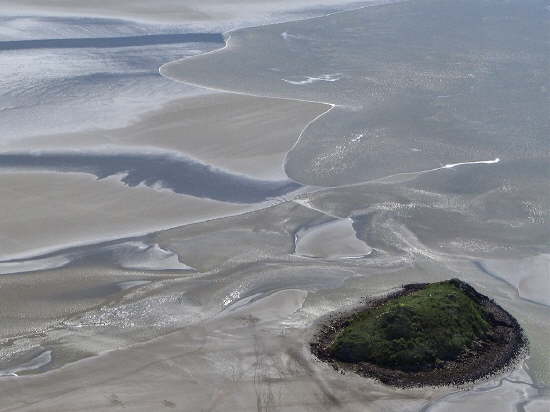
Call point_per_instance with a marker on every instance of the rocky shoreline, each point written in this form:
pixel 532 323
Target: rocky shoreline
pixel 505 344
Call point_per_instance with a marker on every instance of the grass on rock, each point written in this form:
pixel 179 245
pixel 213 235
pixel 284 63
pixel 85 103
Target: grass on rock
pixel 416 331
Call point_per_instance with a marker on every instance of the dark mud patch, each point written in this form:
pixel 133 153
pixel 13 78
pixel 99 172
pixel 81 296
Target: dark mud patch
pixel 178 173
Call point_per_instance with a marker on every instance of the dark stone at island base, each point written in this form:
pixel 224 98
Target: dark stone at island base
pixel 501 346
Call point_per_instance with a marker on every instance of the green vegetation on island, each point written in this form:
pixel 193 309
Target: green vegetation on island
pixel 415 331
pixel 443 333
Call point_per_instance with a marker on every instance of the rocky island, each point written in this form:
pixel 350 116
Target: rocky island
pixel 443 333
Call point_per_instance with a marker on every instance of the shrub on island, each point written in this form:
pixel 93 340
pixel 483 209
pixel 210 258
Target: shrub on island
pixel 415 331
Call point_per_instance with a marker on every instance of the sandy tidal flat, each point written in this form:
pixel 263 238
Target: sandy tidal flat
pixel 75 208
pixel 199 13
pixel 173 263
pixel 242 134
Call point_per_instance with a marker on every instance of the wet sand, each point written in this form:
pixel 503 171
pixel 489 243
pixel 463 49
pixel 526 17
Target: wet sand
pixel 333 240
pixel 206 12
pixel 242 134
pixel 70 209
pixel 76 208
pixel 410 93
pixel 168 373
pixel 215 313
